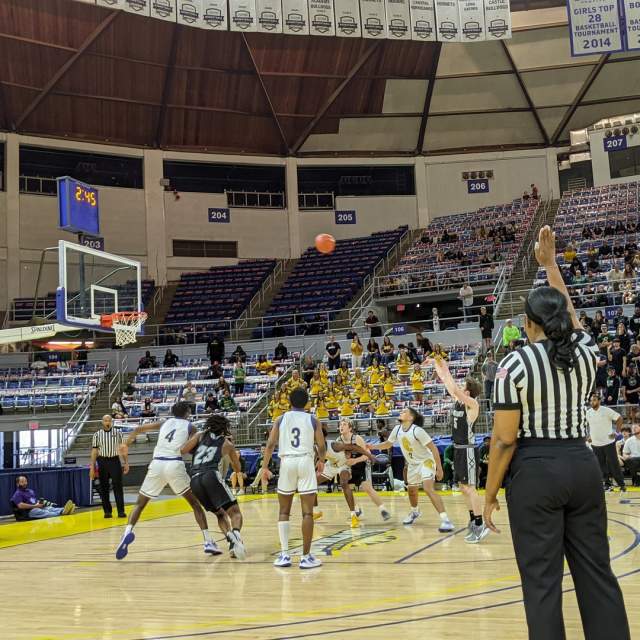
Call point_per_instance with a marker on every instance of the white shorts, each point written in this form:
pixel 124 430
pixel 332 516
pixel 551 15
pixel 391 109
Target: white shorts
pixel 297 473
pixel 330 471
pixel 162 473
pixel 418 472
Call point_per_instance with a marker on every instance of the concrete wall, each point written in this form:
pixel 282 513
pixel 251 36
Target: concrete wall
pixel 600 159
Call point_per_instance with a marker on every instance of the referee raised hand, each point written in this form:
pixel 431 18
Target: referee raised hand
pixel 106 449
pixel 555 497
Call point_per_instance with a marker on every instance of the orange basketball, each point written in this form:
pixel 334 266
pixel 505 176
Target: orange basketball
pixel 325 243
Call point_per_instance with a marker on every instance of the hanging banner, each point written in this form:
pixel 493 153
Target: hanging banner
pixel 242 15
pixel 448 21
pixel 215 15
pixel 269 16
pixel 347 16
pixel 374 19
pixel 111 4
pixel 190 12
pixel 164 10
pixel 423 20
pixel 295 17
pixel 632 21
pixel 497 19
pixel 594 27
pixel 141 7
pixel 398 19
pixel 321 22
pixel 471 20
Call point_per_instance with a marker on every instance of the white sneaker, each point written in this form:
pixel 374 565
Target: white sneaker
pixel 212 548
pixel 446 526
pixel 283 560
pixel 358 512
pixel 309 562
pixel 412 517
pixel 238 547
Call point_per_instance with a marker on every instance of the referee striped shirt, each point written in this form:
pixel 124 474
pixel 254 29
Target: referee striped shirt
pixel 108 442
pixel 552 402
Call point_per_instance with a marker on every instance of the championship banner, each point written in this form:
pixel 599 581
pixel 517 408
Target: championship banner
pixel 423 20
pixel 111 4
pixel 347 16
pixel 269 16
pixel 242 15
pixel 594 27
pixel 164 10
pixel 295 17
pixel 632 21
pixel 215 15
pixel 398 19
pixel 141 7
pixel 447 21
pixel 472 20
pixel 321 21
pixel 497 19
pixel 374 19
pixel 190 12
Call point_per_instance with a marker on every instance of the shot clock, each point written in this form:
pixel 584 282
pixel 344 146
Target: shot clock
pixel 78 206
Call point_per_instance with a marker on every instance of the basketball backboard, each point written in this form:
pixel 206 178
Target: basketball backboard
pixel 94 283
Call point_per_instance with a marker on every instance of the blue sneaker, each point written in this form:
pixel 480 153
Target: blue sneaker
pixel 212 548
pixel 309 562
pixel 283 560
pixel 123 547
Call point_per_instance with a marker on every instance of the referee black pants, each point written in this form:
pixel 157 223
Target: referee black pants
pixel 556 511
pixel 607 457
pixel 110 468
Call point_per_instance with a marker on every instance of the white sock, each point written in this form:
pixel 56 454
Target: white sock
pixel 283 532
pixel 353 513
pixel 444 517
pixel 128 529
pixel 206 535
pixel 381 508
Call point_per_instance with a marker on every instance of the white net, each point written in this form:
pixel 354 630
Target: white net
pixel 126 327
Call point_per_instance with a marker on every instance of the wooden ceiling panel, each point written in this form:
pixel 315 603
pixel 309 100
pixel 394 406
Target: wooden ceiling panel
pixel 16 101
pixel 299 95
pixel 413 59
pixel 360 96
pixel 36 64
pixel 223 50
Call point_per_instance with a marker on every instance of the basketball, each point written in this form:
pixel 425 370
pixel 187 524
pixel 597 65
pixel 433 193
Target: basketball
pixel 325 243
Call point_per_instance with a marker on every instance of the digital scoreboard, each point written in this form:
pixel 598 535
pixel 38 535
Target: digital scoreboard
pixel 78 207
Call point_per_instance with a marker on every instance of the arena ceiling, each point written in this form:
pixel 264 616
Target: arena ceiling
pixel 79 71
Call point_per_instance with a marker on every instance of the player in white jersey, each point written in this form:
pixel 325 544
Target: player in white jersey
pixel 296 432
pixel 348 458
pixel 423 464
pixel 167 468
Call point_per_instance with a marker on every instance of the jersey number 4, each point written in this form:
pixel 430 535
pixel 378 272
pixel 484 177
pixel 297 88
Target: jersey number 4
pixel 169 436
pixel 295 441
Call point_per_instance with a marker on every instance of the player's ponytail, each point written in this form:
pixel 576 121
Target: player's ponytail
pixel 547 307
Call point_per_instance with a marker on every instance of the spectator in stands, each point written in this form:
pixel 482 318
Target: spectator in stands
pixel 333 353
pixel 622 336
pixel 264 366
pixel 227 403
pixel 626 434
pixel 435 319
pixel 238 478
pixel 238 355
pixel 439 352
pixel 147 361
pixel 170 359
pixel 280 353
pixel 118 410
pixel 221 385
pixel 570 253
pixel 617 357
pixel 215 349
pixel 148 411
pixel 466 295
pixel 375 330
pixel 631 456
pixel 356 352
pixel 510 335
pixel 634 321
pixel 525 196
pixel 308 368
pixel 27 507
pixel 483 461
pixel 278 330
pixel 412 353
pixel 631 385
pixel 261 478
pixel 373 351
pixel 189 396
pixel 214 371
pixel 614 277
pixel 211 404
pixel 612 389
pixel 534 192
pixel 486 329
pixel 239 376
pixel 387 351
pixel 424 343
pixel 489 369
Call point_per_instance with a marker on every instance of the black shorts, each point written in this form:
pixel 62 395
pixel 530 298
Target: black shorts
pixel 211 491
pixel 465 466
pixel 360 473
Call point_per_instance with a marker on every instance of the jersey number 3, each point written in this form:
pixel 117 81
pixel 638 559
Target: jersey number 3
pixel 295 441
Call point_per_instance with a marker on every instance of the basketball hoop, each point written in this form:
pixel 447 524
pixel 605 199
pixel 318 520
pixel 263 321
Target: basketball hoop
pixel 125 324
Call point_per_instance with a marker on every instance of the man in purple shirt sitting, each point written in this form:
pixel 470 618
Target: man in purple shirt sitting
pixel 26 506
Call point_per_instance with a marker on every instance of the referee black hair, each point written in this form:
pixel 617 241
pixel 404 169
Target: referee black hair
pixel 217 425
pixel 547 307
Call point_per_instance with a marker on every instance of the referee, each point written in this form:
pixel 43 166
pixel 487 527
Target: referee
pixel 106 450
pixel 555 496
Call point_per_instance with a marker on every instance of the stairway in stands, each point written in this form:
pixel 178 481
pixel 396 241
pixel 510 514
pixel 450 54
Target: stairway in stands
pixel 157 311
pixel 526 267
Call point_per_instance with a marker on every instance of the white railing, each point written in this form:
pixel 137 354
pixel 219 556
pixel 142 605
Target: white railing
pixel 528 254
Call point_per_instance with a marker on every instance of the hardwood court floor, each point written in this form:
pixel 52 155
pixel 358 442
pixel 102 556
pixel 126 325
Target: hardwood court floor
pixel 60 579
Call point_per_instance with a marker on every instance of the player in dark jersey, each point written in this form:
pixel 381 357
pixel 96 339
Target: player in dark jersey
pixel 465 413
pixel 209 447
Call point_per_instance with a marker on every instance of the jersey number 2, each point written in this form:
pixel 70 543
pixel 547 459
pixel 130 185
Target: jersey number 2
pixel 295 442
pixel 204 455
